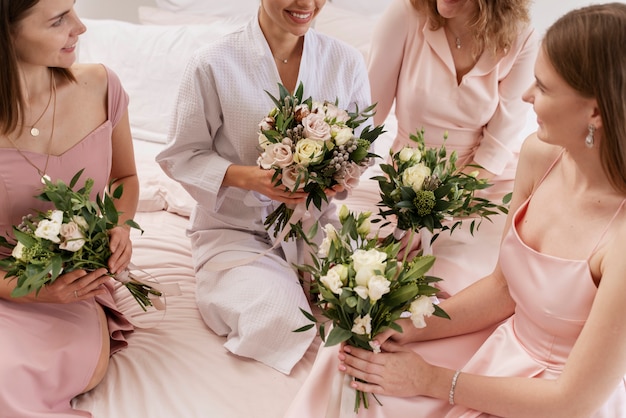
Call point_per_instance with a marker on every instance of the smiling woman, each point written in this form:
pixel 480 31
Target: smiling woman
pixel 56 342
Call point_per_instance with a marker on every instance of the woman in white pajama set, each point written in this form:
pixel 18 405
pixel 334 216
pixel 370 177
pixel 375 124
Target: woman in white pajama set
pixel 212 152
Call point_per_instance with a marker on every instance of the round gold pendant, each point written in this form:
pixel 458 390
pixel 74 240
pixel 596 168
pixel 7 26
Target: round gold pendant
pixel 34 131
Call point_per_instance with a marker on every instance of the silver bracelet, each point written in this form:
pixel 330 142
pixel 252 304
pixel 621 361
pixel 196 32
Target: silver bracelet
pixel 453 386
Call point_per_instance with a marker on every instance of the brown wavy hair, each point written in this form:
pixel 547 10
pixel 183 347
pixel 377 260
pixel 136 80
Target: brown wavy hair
pixel 586 48
pixel 11 96
pixel 495 26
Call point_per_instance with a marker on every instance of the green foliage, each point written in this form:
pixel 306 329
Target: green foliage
pixel 446 193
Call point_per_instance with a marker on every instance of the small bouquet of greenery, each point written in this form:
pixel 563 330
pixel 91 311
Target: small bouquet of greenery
pixel 363 288
pixel 311 146
pixel 423 187
pixel 72 236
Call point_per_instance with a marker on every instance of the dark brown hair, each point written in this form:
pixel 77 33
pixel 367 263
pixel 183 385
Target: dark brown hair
pixel 495 26
pixel 11 95
pixel 587 49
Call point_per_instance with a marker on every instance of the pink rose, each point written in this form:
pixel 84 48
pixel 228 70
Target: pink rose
pixel 349 176
pixel 315 127
pixel 290 177
pixel 276 156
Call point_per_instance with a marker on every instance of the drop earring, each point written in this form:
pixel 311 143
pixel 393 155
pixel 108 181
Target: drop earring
pixel 589 138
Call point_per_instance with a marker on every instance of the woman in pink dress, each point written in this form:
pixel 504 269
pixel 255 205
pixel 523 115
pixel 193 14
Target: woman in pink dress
pixel 57 118
pixel 455 67
pixel 559 282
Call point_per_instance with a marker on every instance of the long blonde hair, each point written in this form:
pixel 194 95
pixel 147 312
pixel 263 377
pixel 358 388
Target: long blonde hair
pixel 495 26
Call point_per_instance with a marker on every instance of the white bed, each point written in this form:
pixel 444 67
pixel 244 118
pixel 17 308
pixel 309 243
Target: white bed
pixel 176 367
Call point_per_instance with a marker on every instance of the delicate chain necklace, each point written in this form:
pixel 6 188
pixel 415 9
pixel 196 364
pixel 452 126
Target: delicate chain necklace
pixel 457 38
pixel 34 131
pixel 283 60
pixel 43 173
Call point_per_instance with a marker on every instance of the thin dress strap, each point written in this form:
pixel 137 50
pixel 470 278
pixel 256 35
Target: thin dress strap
pixel 606 228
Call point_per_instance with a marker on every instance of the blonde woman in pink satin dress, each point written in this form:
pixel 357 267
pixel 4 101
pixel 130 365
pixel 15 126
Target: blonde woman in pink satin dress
pixel 559 282
pixel 458 67
pixel 56 118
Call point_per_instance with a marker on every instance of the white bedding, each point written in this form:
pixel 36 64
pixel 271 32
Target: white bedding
pixel 176 367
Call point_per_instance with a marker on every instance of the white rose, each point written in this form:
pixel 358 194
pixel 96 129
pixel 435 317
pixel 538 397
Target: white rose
pixel 73 238
pixel 414 176
pixel 377 286
pixel 362 325
pixel 420 308
pixel 289 177
pixel 308 151
pixel 48 229
pixel 335 278
pixel 367 263
pixel 276 155
pixel 341 134
pixel 315 127
pixel 18 251
pixel 408 154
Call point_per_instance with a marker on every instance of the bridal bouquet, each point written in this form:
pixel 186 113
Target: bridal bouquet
pixel 72 236
pixel 423 187
pixel 363 287
pixel 312 146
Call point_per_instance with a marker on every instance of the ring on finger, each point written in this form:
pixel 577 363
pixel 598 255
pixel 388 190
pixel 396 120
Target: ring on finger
pixel 76 294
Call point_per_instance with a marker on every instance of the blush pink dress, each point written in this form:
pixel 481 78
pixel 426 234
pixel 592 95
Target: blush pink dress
pixel 411 70
pixel 48 352
pixel 534 342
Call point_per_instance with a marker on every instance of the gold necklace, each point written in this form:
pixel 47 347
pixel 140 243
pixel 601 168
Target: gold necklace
pixel 33 129
pixel 43 173
pixel 457 38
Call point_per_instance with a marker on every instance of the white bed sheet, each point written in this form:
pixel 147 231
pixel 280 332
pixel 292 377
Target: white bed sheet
pixel 177 367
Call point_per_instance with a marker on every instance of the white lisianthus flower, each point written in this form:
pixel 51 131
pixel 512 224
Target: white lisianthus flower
pixel 361 291
pixel 377 286
pixel 421 308
pixel 365 227
pixel 56 216
pixel 48 229
pixel 362 325
pixel 276 155
pixel 80 221
pixel 343 213
pixel 410 154
pixel 329 236
pixel 341 134
pixel 335 278
pixel 308 151
pixel 414 176
pixel 18 251
pixel 315 127
pixel 73 238
pixel 367 263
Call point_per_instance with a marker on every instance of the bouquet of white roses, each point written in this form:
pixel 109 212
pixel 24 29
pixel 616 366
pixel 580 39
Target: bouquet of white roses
pixel 311 146
pixel 363 287
pixel 72 236
pixel 423 187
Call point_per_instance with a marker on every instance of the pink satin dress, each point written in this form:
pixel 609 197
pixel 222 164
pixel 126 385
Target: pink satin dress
pixel 534 342
pixel 49 352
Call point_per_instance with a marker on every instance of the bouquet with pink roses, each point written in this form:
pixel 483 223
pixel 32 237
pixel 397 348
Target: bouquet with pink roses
pixel 312 146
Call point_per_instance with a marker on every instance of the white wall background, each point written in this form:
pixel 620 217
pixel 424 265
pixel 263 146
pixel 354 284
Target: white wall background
pixel 544 12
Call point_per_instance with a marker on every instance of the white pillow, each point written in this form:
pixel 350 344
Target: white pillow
pixel 153 16
pixel 215 7
pixel 352 27
pixel 149 59
pixel 367 7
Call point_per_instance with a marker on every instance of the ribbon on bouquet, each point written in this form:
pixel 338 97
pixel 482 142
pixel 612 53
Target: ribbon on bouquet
pixel 159 302
pixel 300 212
